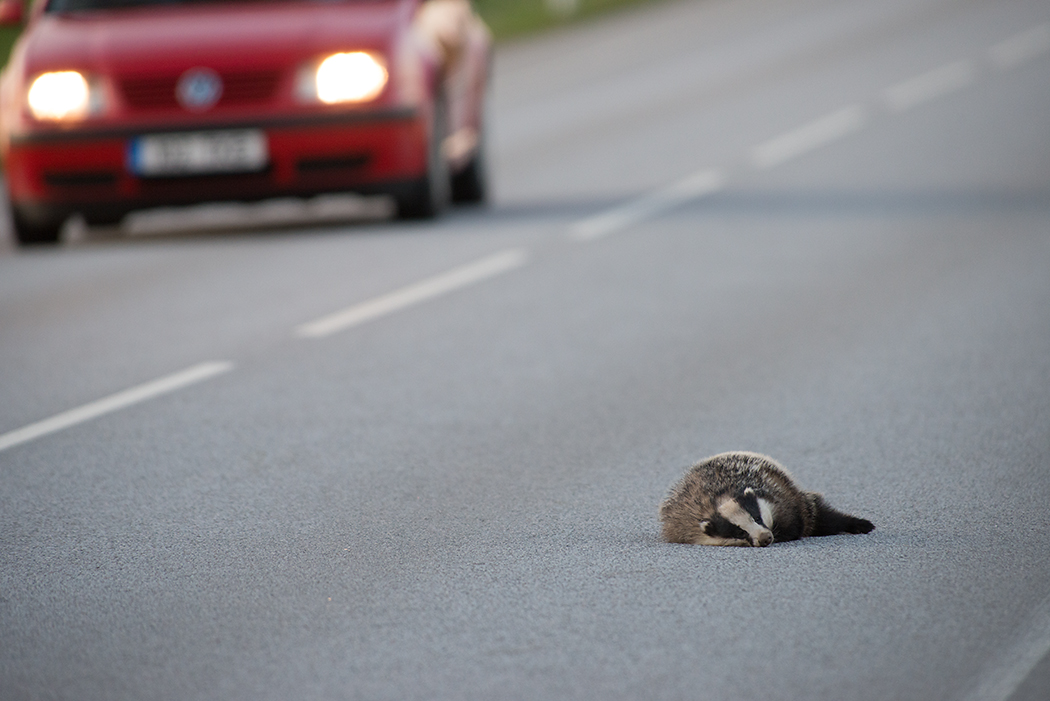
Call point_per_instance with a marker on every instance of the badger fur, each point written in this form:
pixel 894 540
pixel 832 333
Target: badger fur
pixel 747 499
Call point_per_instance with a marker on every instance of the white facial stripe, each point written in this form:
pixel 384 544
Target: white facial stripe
pixel 738 516
pixel 766 509
pixel 735 514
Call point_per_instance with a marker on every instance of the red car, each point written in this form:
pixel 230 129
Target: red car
pixel 107 106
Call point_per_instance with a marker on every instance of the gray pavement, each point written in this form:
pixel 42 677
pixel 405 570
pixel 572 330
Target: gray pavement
pixel 457 499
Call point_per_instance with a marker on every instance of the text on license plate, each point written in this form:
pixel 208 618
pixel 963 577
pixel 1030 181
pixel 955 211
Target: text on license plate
pixel 201 152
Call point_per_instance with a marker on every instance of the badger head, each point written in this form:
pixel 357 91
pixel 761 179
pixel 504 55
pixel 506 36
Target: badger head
pixel 745 519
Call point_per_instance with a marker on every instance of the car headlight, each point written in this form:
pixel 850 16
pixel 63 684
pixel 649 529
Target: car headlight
pixel 355 76
pixel 59 96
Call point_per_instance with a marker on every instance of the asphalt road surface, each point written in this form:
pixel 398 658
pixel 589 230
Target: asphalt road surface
pixel 422 461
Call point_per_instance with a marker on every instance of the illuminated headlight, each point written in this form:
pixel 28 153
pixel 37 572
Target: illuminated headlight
pixel 356 76
pixel 60 96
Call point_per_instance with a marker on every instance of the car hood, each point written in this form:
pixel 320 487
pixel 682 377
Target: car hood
pixel 238 34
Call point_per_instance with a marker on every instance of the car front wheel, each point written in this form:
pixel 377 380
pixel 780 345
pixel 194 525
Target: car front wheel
pixel 430 195
pixel 35 231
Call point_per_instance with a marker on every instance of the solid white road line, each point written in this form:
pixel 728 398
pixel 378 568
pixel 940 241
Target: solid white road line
pixel 809 137
pixel 928 86
pixel 414 294
pixel 141 393
pixel 1017 661
pixel 695 186
pixel 1022 47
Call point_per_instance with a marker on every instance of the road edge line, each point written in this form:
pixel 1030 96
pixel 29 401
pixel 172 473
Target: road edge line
pixel 1012 667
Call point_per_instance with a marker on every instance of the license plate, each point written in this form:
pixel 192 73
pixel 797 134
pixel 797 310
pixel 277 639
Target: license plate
pixel 198 153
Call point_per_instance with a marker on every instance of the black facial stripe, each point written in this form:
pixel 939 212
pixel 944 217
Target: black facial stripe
pixel 749 502
pixel 721 528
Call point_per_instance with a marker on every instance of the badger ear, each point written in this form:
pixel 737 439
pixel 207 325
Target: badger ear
pixel 749 492
pixel 704 526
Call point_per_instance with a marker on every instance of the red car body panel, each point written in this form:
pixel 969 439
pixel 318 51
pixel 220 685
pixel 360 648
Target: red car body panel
pixel 133 58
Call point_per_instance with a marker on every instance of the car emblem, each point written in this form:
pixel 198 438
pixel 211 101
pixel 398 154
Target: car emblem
pixel 198 89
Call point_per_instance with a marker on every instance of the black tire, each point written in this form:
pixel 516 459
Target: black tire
pixel 35 232
pixel 430 195
pixel 470 185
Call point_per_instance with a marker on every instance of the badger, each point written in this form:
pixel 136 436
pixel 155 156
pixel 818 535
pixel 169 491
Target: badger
pixel 747 499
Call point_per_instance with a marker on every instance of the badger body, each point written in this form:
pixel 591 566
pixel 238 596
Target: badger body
pixel 747 499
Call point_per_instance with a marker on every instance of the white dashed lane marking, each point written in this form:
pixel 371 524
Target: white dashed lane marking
pixel 1021 48
pixel 114 402
pixel 928 86
pixel 700 184
pixel 325 326
pixel 1009 53
pixel 809 137
pixel 422 291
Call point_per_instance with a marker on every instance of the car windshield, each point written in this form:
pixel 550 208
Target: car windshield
pixel 81 5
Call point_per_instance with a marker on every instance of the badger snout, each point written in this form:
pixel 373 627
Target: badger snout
pixel 762 539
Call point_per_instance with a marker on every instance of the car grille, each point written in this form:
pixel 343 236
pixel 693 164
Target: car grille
pixel 81 179
pixel 238 88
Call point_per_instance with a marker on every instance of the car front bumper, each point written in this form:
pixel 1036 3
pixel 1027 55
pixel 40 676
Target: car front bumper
pixel 51 175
